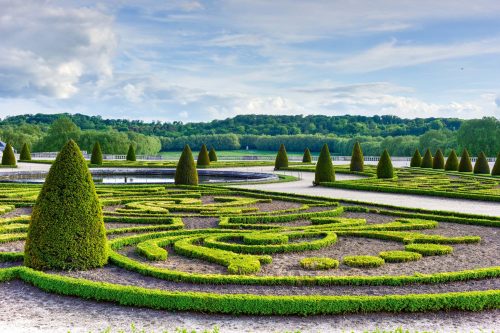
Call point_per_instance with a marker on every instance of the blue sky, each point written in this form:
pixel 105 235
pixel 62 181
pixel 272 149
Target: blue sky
pixel 202 60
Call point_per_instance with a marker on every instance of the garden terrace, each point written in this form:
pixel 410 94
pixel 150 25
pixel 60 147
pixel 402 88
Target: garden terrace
pixel 268 253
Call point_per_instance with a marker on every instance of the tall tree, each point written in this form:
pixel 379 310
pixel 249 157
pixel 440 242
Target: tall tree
pixel 324 167
pixel 281 158
pixel 384 166
pixel 357 158
pixel 480 135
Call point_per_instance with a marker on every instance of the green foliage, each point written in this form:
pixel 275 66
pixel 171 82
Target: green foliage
pixel 481 166
pixel 307 158
pixel 416 160
pixel 438 161
pixel 212 155
pixel 480 135
pixel 496 168
pixel 96 157
pixel 400 256
pixel 384 166
pixel 8 157
pixel 186 173
pixel 203 158
pixel 281 158
pixel 59 132
pixel 451 161
pixel 363 261
pixel 324 167
pixel 265 239
pixel 25 153
pixel 131 153
pixel 429 249
pixel 427 161
pixel 465 162
pixel 357 158
pixel 318 263
pixel 67 229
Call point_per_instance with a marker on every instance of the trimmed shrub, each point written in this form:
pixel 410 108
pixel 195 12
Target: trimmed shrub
pixel 465 164
pixel 131 153
pixel 307 156
pixel 452 162
pixel 186 173
pixel 25 153
pixel 281 158
pixel 96 157
pixel 481 166
pixel 67 229
pixel 265 239
pixel 400 256
pixel 416 160
pixel 363 261
pixel 8 157
pixel 427 161
pixel 438 161
pixel 496 168
pixel 384 166
pixel 318 263
pixel 203 158
pixel 357 158
pixel 429 249
pixel 324 168
pixel 212 155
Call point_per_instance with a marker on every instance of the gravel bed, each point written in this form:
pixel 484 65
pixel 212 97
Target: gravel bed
pixel 16 246
pixel 18 212
pixel 200 222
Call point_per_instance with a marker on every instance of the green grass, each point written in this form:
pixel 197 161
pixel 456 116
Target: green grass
pixel 174 155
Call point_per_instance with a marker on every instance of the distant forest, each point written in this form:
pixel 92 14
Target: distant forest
pixel 264 132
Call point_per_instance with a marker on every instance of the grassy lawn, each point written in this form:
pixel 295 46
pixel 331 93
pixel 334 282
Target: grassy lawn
pixel 174 155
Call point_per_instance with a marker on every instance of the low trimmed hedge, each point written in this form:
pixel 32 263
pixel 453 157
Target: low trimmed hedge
pixel 265 239
pixel 429 249
pixel 400 256
pixel 363 261
pixel 317 263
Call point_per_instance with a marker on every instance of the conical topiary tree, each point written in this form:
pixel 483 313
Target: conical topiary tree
pixel 427 161
pixel 357 158
pixel 281 158
pixel 451 161
pixel 186 173
pixel 8 157
pixel 438 161
pixel 203 158
pixel 324 168
pixel 465 164
pixel 66 230
pixel 384 166
pixel 131 153
pixel 416 160
pixel 96 157
pixel 25 153
pixel 212 155
pixel 496 168
pixel 482 167
pixel 307 158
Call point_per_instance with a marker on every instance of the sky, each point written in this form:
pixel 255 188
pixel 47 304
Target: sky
pixel 190 61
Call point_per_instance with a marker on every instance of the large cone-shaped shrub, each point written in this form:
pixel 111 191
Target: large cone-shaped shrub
pixel 465 162
pixel 307 158
pixel 96 157
pixel 496 168
pixel 25 153
pixel 212 155
pixel 8 157
pixel 427 161
pixel 357 158
pixel 384 166
pixel 451 161
pixel 324 167
pixel 203 158
pixel 482 166
pixel 416 160
pixel 131 153
pixel 186 173
pixel 438 161
pixel 281 158
pixel 66 231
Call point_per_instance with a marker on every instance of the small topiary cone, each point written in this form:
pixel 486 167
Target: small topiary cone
pixel 496 168
pixel 306 158
pixel 427 161
pixel 8 157
pixel 438 161
pixel 482 167
pixel 465 164
pixel 203 158
pixel 212 155
pixel 96 157
pixel 416 160
pixel 281 158
pixel 324 168
pixel 25 153
pixel 186 173
pixel 357 158
pixel 131 153
pixel 384 166
pixel 452 162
